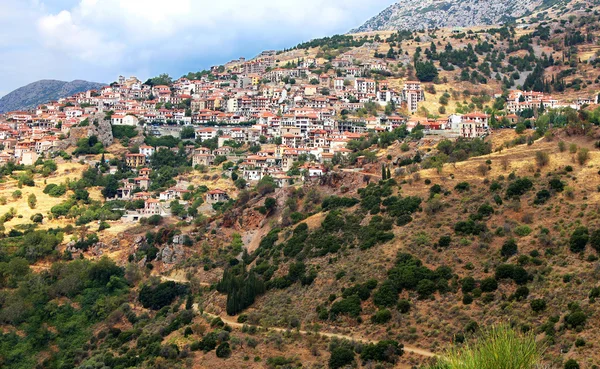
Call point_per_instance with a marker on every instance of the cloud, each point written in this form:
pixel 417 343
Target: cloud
pixel 100 39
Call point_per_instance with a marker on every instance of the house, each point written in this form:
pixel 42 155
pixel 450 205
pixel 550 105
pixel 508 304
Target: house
pixel 151 207
pixel 124 120
pixel 147 151
pixel 135 160
pixel 215 196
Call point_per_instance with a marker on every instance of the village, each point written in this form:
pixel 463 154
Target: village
pixel 291 114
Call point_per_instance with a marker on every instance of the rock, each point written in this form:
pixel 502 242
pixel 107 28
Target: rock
pixel 429 14
pixel 139 239
pixel 171 254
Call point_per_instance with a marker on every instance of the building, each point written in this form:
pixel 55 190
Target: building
pixel 135 160
pixel 124 120
pixel 216 195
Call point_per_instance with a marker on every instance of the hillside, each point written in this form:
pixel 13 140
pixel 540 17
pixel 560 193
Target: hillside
pixel 429 14
pixel 43 91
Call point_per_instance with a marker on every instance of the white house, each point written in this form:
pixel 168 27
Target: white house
pixel 124 120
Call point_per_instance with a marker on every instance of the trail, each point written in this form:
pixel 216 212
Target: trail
pixel 235 324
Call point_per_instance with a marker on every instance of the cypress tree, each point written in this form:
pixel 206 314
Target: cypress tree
pixel 389 175
pixel 383 172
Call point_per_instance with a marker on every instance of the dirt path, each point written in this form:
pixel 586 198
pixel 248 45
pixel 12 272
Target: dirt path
pixel 181 279
pixel 234 324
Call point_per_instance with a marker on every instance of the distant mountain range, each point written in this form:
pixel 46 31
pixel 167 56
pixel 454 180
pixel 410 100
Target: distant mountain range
pixel 43 91
pixel 428 14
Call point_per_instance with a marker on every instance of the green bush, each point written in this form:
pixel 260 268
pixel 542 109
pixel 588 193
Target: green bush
pixel 381 316
pixel 496 347
pixel 341 357
pixel 518 187
pixel 538 305
pixel 509 248
pixel 579 239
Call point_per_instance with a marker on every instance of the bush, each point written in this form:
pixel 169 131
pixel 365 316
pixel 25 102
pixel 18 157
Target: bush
pixel 542 158
pixel 467 284
pixel 556 185
pixel 382 316
pixel 223 351
pixel 571 364
pixel 497 347
pixel 576 319
pixel 444 241
pixel 403 306
pixel 509 248
pixel 161 295
pixel 518 187
pixel 341 357
pixel 595 240
pixel 488 285
pixel 538 305
pixel 386 295
pixel 522 230
pixel 462 187
pixel 578 239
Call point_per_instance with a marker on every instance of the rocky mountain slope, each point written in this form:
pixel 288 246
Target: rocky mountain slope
pixel 43 91
pixel 410 15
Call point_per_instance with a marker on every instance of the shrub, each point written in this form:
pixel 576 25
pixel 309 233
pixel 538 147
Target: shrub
pixel 445 241
pixel 595 240
pixel 161 295
pixel 556 185
pixel 386 350
pixel 386 295
pixel 518 187
pixel 462 187
pixel 403 306
pixel 576 319
pixel 497 347
pixel 582 156
pixel 469 227
pixel 541 197
pixel 488 285
pixel 538 305
pixel 542 158
pixel 571 364
pixel 223 351
pixel 522 230
pixel 381 316
pixel 509 248
pixel 578 239
pixel 467 284
pixel 341 356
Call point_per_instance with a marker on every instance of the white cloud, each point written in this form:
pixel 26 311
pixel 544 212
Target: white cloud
pixel 105 38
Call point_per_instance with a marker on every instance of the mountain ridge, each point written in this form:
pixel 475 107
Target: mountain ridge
pixel 43 91
pixel 405 15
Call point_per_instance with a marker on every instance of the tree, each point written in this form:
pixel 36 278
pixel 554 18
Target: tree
pixel 426 72
pixel 579 239
pixel 341 357
pixel 32 201
pixel 223 351
pixel 509 248
pixel 538 305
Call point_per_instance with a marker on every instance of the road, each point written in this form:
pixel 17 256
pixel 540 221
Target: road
pixel 234 324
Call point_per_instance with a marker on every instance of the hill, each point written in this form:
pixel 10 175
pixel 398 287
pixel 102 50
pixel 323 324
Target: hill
pixel 43 91
pixel 428 14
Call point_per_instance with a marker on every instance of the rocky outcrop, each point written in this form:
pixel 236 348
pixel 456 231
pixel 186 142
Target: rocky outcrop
pixel 428 14
pixel 43 91
pixel 97 127
pixel 171 254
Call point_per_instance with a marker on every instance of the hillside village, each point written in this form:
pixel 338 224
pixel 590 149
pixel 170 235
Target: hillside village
pixel 357 201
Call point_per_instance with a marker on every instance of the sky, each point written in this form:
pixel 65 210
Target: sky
pixel 98 40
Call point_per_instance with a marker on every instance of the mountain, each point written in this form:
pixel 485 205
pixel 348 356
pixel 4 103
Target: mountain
pixel 426 14
pixel 43 91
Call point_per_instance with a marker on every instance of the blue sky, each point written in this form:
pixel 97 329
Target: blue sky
pixel 97 40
